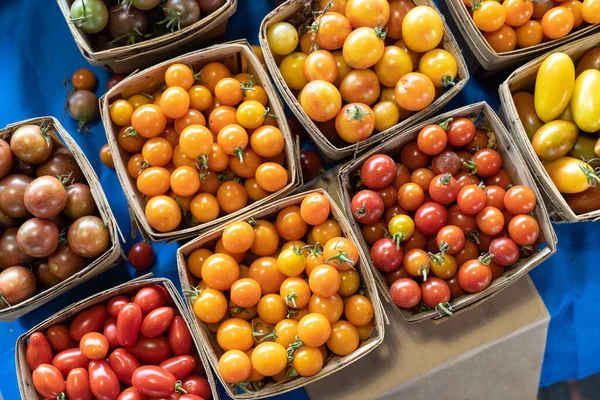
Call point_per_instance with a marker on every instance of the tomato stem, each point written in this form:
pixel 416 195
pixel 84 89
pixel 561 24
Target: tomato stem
pixel 424 271
pixel 61 396
pixel 268 113
pixel 356 114
pixel 486 258
pixel 446 124
pixel 292 349
pixel 444 247
pixel 590 175
pixel 171 20
pixel 191 294
pixel 65 178
pixel 131 132
pixel 239 153
pixel 291 373
pixel 380 31
pixel 292 312
pixel 179 388
pixel 82 127
pixel 471 166
pixel 476 4
pixel 444 308
pixel 202 162
pixel 474 237
pixel 437 258
pixel 343 257
pixel 253 223
pixel 316 250
pixel 446 178
pixel 447 80
pixel 291 299
pixel 398 238
pixel 360 211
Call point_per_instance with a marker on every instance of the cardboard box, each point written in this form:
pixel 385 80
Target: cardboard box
pixel 493 352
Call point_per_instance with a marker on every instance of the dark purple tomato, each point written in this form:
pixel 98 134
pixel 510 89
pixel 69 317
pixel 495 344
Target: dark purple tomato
pixel 113 80
pixel 61 221
pixel 12 192
pixel 143 5
pixel 88 237
pixel 378 171
pixel 125 21
pixel 80 201
pixel 44 277
pixel 386 255
pixel 210 6
pixel 505 251
pixel 367 207
pixel 61 165
pixel 16 285
pixel 64 263
pixel 6 158
pixel 82 106
pixel 21 167
pixel 10 253
pixel 296 128
pixel 405 293
pixel 38 237
pixel 31 144
pixel 311 164
pixel 430 218
pixel 7 221
pixel 45 197
pixel 141 256
pixel 182 12
pixel 446 161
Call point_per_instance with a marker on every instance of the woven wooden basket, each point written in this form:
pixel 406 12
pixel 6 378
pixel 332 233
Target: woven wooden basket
pixel 332 364
pixel 338 151
pixel 108 259
pixel 491 60
pixel 129 288
pixel 149 52
pixel 238 57
pixel 512 162
pixel 524 79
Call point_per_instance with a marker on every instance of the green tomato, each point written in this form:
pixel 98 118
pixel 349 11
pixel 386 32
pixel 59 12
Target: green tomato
pixel 91 16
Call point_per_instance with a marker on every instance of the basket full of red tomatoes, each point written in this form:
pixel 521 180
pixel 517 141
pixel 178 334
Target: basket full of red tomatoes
pixel 509 32
pixel 199 139
pixel 126 35
pixel 356 71
pixel 56 226
pixel 448 213
pixel 129 342
pixel 281 296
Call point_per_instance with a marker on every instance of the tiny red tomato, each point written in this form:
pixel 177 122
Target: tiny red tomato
pixel 524 230
pixel 475 275
pixel 378 171
pixel 430 218
pixel 141 256
pixel 58 337
pixel 486 163
pixel 386 255
pixel 103 380
pixel 505 251
pixel 78 385
pixel 367 207
pixel 460 132
pixel 151 297
pixel 115 304
pixel 198 385
pixel 157 322
pixel 432 139
pixel 48 381
pixel 450 239
pixel 94 346
pixel 520 199
pixel 38 351
pixel 471 199
pixel 435 291
pixel 443 189
pixel 129 322
pixel 495 197
pixel 180 338
pixel 465 222
pixel 70 359
pixel 90 320
pixel 405 293
pixel 490 220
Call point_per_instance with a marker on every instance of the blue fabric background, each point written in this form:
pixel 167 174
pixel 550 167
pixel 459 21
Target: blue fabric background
pixel 37 52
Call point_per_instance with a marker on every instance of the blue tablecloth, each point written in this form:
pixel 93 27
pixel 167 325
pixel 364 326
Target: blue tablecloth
pixel 37 52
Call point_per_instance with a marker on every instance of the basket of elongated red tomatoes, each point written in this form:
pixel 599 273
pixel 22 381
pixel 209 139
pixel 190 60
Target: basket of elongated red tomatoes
pixel 448 213
pixel 129 342
pixel 199 139
pixel 509 32
pixel 354 71
pixel 56 227
pixel 282 296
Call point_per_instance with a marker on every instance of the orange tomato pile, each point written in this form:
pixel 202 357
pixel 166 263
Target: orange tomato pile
pixel 446 219
pixel 201 150
pixel 294 304
pixel 357 62
pixel 515 24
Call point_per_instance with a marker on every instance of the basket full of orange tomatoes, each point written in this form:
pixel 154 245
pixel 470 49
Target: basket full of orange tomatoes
pixel 199 139
pixel 448 214
pixel 356 71
pixel 504 33
pixel 282 296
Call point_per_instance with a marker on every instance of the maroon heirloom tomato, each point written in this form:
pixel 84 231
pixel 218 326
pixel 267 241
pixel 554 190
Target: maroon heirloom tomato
pixel 505 251
pixel 58 337
pixel 430 218
pixel 141 256
pixel 180 338
pixel 405 293
pixel 475 275
pixel 153 381
pixel 123 363
pixel 103 381
pixel 378 171
pixel 38 351
pixel 386 255
pixel 129 323
pixel 198 385
pixel 367 207
pixel 151 350
pixel 157 321
pixel 446 162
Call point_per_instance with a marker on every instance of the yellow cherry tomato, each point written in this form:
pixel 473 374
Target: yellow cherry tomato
pixel 554 86
pixel 571 175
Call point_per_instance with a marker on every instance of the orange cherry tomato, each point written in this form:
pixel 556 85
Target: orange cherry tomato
pixel 157 152
pixel 134 165
pixel 174 102
pixel 120 112
pixel 185 181
pixel 360 86
pixel 229 91
pixel 234 366
pixel 590 11
pixel 219 248
pixel 359 310
pixel 218 160
pixel 355 122
pixel 295 292
pixel 558 22
pixel 264 270
pixel 415 91
pixel 315 209
pixel 196 260
pixel 267 141
pixel 266 238
pixel 326 231
pixel 313 329
pixel 324 280
pixel 398 10
pixel 251 114
pixel 219 271
pixel 344 338
pixel 191 117
pixel 195 141
pixel 332 29
pixel 212 73
pixel 163 213
pixel 517 11
pixel 489 15
pixel 393 65
pixel 575 7
pixel 320 100
pixel 129 140
pixel 171 135
pixel 369 13
pixel 255 192
pixel 245 292
pixel 179 75
pixel 232 197
pixel 209 183
pixel 232 139
pixel 149 120
pixel 529 34
pixel 320 65
pixel 290 225
pixel 245 163
pixel 503 39
pixel 153 181
pixel 205 207
pixel 238 237
pixel 340 253
pixel 220 117
pixel 180 159
pixel 364 47
pixel 271 177
pixel 201 98
pixel 256 93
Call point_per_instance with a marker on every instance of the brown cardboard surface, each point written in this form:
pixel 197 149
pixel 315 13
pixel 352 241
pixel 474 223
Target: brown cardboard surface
pixel 500 345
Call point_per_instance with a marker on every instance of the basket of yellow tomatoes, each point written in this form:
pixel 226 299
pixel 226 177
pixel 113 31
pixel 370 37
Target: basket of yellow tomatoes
pixel 552 105
pixel 198 139
pixel 282 296
pixel 354 72
pixel 447 214
pixel 509 32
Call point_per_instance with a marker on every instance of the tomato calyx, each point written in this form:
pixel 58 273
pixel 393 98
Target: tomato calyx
pixel 181 208
pixel 132 37
pixel 236 310
pixel 248 86
pixel 446 179
pixel 131 132
pixel 253 223
pixel 239 153
pixel 268 114
pixel 591 175
pixel 342 257
pixel 62 396
pixel 380 31
pixel 249 387
pixel 292 312
pixel 202 162
pixel 62 237
pixel 79 21
pixel 447 80
pixel 261 336
pixel 65 178
pixel 191 294
pixel 222 177
pixel 398 238
pixel 474 237
pixel 291 299
pixel 424 271
pixel 356 114
pixel 291 350
pixel 476 4
pixel 471 166
pixel 171 20
pixel 3 301
pixel 444 309
pixel 44 128
pixel 179 388
pixel 486 258
pixel 446 124
pixel 437 258
pixel 315 250
pixel 361 211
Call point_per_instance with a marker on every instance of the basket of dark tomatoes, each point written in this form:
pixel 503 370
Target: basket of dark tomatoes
pixel 448 212
pixel 510 32
pixel 354 72
pixel 552 106
pixel 56 226
pixel 129 342
pixel 126 35
pixel 282 296
pixel 199 139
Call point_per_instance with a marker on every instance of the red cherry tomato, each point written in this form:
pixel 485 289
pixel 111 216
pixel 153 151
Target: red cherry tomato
pixel 198 385
pixel 153 381
pixel 432 140
pixel 70 359
pixel 413 158
pixel 150 297
pixel 455 289
pixel 157 321
pixel 141 256
pixel 446 161
pixel 38 351
pixel 48 381
pixel 367 207
pixel 115 304
pixel 151 350
pixel 502 179
pixel 110 332
pixel 469 252
pixel 129 323
pixel 495 196
pixel 460 132
pixel 123 363
pixel 430 218
pixel 520 199
pixel 486 163
pixel 405 293
pixel 505 251
pixel 386 255
pixel 524 230
pixel 180 338
pixel 94 346
pixel 471 199
pixel 378 171
pixel 435 291
pixel 450 239
pixel 490 221
pixel 443 189
pixel 103 380
pixel 475 275
pixel 90 320
pixel 189 397
pixel 58 337
pixel 78 385
pixel 180 366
